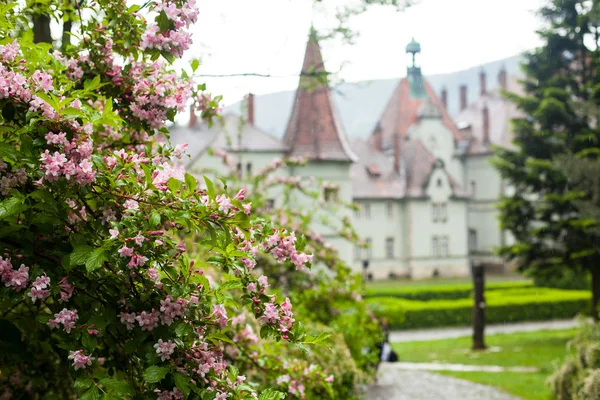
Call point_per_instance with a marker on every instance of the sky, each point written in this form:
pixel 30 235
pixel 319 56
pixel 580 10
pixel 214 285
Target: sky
pixel 269 37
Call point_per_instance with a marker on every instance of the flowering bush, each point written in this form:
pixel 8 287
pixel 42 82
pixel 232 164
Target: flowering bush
pixel 99 294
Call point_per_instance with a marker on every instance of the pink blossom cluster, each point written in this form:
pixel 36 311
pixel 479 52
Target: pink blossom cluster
pixel 282 248
pixel 165 349
pixel 10 180
pixel 162 176
pixel 154 92
pixel 170 309
pixel 39 288
pixel 74 71
pixel 9 52
pixel 15 278
pixel 284 318
pixel 207 359
pixel 205 103
pixel 220 315
pixel 65 317
pixel 174 41
pixel 73 161
pixel 175 394
pixel 80 360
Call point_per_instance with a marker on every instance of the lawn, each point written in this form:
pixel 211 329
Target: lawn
pixel 528 349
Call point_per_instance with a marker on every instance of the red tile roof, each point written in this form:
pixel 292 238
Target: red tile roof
pixel 314 129
pixel 402 111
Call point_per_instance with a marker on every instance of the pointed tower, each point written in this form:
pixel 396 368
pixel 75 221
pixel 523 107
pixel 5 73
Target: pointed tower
pixel 314 129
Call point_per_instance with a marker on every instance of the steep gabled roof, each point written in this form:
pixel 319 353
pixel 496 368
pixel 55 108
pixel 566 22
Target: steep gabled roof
pixel 314 129
pixel 231 134
pixel 402 110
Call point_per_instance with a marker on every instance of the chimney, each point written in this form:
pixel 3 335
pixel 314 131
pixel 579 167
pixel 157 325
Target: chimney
pixel 502 80
pixel 482 82
pixel 486 124
pixel 396 144
pixel 445 98
pixel 193 117
pixel 378 137
pixel 251 109
pixel 463 97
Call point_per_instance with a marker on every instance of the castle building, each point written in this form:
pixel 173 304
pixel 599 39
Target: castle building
pixel 424 185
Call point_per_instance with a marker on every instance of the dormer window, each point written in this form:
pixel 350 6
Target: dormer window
pixel 373 170
pixel 330 194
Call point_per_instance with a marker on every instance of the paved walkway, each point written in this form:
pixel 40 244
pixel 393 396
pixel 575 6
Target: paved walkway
pixel 410 366
pixel 449 333
pixel 397 384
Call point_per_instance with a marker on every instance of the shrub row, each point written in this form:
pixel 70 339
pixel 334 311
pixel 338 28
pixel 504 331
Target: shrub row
pixel 445 292
pixel 501 306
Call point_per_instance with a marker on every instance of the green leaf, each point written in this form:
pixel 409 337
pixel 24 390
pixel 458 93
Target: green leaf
pixel 183 329
pixel 89 342
pixel 190 182
pixel 117 386
pixel 95 260
pixel 271 394
pixel 83 382
pixel 219 337
pixel 8 151
pixel 183 383
pixel 232 285
pixel 80 255
pixel 154 219
pixel 11 206
pixel 174 185
pixel 195 65
pixel 210 188
pixel 91 394
pixel 155 374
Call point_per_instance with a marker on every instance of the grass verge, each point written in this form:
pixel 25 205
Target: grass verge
pixel 540 349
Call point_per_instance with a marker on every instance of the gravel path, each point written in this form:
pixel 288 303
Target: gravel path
pixel 449 333
pixel 397 384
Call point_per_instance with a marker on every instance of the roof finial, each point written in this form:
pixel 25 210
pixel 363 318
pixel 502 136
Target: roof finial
pixel 413 47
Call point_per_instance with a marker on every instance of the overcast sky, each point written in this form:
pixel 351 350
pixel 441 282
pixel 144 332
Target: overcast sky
pixel 269 37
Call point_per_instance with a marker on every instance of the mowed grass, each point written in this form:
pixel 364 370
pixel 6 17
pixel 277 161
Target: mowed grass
pixel 542 349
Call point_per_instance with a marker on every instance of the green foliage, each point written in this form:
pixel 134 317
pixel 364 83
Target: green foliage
pixel 510 305
pixel 547 207
pixel 564 279
pixel 442 292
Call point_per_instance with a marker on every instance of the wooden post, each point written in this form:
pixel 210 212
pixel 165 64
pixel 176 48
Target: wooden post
pixel 478 305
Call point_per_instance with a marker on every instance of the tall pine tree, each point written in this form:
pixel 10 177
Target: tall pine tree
pixel 544 210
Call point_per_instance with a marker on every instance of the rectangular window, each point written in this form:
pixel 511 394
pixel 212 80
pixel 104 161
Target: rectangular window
pixel 444 212
pixel 435 212
pixel 390 209
pixel 444 246
pixel 249 169
pixel 330 194
pixel 239 170
pixel 389 247
pixel 435 250
pixel 357 251
pixel 368 249
pixel 367 209
pixel 270 204
pixel 472 240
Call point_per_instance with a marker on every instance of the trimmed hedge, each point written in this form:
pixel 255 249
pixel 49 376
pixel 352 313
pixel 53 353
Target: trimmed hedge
pixel 511 305
pixel 445 292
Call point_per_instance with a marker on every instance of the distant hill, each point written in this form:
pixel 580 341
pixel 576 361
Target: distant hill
pixel 360 104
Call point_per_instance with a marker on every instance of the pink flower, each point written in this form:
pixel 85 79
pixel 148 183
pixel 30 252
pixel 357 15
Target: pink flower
pixel 251 287
pixel 131 205
pixel 65 317
pixel 329 379
pixel 148 320
pixel 221 314
pixel 241 195
pixel 249 263
pixel 137 260
pixel 164 349
pixel 247 208
pixel 17 279
pixel 263 281
pixel 125 251
pixel 114 232
pixel 67 290
pixel 286 306
pixel 271 315
pixel 128 320
pixel 139 239
pixel 224 203
pixel 221 396
pixel 38 288
pixel 153 274
pixel 80 360
pixel 171 309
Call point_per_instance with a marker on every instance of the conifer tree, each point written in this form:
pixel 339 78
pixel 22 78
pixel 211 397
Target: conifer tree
pixel 544 208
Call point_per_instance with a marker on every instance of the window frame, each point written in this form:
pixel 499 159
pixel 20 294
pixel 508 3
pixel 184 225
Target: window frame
pixel 389 247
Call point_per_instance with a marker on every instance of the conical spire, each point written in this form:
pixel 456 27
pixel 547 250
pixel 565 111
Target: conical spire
pixel 314 130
